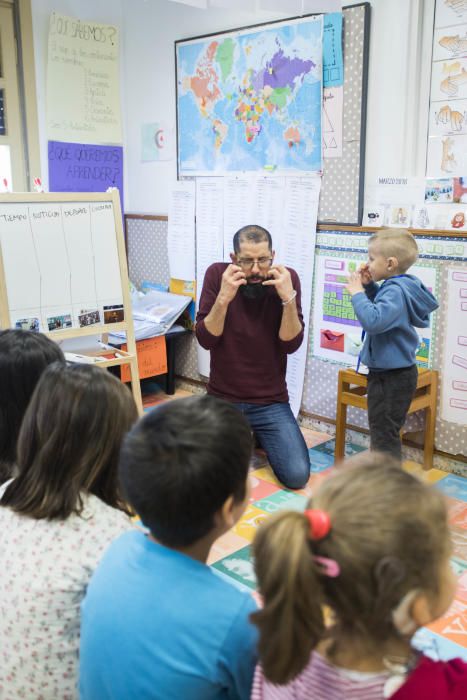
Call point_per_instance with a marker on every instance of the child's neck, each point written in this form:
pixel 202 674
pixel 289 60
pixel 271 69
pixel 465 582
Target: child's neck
pixel 199 550
pixel 357 654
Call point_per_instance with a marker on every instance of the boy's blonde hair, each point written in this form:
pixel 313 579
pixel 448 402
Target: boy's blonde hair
pixel 396 243
pixel 389 535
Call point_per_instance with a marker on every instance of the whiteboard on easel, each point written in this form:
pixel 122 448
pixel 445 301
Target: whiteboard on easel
pixel 61 264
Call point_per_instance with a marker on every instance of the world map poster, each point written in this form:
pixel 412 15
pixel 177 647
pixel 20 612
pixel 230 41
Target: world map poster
pixel 250 100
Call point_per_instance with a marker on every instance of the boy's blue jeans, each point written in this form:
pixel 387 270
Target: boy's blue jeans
pixel 281 438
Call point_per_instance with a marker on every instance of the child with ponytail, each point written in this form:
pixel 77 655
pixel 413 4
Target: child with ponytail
pixel 373 548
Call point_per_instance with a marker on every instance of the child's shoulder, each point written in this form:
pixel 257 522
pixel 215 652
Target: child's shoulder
pixel 435 680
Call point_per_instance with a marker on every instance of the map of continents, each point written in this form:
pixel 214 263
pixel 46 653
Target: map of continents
pixel 251 100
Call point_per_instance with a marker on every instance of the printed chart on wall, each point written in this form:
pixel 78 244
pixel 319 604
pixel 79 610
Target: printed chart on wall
pixel 337 333
pixel 454 384
pixel 61 265
pixel 250 100
pixel 447 143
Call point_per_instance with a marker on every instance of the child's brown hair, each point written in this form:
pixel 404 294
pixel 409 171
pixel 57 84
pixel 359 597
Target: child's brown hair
pixel 388 535
pixel 398 243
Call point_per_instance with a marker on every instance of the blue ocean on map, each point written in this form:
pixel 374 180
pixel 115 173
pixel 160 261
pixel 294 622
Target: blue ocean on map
pixel 249 101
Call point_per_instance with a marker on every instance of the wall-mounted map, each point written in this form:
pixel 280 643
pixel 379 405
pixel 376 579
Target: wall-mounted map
pixel 251 100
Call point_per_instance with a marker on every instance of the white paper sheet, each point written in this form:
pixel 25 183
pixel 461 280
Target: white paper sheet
pixel 298 250
pixel 83 81
pixel 181 230
pixel 209 241
pixel 239 208
pixel 454 374
pixel 333 112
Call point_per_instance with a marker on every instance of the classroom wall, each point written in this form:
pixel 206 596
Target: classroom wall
pixel 397 96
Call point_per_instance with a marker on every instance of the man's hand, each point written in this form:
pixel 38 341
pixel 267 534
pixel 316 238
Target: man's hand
pixel 365 274
pixel 232 278
pixel 281 280
pixel 354 284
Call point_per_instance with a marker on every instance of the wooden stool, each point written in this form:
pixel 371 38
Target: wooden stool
pixel 352 389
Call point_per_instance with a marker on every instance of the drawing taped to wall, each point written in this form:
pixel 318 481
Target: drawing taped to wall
pixel 448 117
pixel 446 156
pixel 450 12
pixel 450 42
pixel 449 80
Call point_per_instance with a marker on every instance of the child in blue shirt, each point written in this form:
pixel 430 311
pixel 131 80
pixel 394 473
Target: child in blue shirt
pixel 157 622
pixel 388 314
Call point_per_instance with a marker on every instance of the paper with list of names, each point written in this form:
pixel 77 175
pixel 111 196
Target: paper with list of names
pixel 288 208
pixel 298 251
pixel 181 230
pixel 209 241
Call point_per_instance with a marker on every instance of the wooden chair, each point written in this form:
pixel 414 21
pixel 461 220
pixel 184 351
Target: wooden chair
pixel 352 389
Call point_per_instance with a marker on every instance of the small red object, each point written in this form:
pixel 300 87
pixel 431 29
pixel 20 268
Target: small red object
pixel 320 523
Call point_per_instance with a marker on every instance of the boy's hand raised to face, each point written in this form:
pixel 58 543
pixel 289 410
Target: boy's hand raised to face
pixel 232 279
pixel 354 284
pixel 365 274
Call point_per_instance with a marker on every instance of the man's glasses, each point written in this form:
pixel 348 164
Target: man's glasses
pixel 247 263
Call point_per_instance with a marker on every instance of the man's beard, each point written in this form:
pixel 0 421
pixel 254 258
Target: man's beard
pixel 254 290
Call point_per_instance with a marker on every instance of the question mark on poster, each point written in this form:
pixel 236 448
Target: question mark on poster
pixel 112 33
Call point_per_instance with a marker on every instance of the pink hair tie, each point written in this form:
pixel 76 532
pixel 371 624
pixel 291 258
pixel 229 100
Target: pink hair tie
pixel 320 523
pixel 330 567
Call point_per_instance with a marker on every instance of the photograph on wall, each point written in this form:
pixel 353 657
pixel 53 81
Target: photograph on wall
pixel 250 100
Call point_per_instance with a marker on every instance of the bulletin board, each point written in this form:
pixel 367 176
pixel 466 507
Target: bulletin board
pixel 341 199
pixel 63 269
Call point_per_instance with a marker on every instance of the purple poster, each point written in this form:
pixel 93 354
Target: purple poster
pixel 77 167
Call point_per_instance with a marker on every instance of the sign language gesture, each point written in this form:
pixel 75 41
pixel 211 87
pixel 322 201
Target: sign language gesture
pixel 365 274
pixel 232 278
pixel 281 280
pixel 354 285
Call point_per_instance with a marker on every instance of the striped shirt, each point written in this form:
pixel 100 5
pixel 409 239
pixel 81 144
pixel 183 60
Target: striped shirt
pixel 322 681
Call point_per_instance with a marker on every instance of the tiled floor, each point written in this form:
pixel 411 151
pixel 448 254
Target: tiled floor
pixel 230 555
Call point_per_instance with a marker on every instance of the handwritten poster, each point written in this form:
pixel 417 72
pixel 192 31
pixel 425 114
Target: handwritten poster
pixel 181 230
pixel 454 386
pixel 77 167
pixel 83 92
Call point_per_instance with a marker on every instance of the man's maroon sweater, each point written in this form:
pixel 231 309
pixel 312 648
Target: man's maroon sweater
pixel 248 361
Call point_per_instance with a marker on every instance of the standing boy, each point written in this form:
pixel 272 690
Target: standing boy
pixel 388 314
pixel 157 622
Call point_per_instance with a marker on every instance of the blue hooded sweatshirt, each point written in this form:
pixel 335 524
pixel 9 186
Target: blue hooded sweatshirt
pixel 388 314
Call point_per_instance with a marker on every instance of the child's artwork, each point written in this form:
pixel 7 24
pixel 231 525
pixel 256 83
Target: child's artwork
pixel 454 383
pixel 450 42
pixel 449 12
pixel 447 156
pixel 441 190
pixel 399 216
pixel 337 333
pixel 449 80
pixel 460 190
pixel 374 216
pixel 448 117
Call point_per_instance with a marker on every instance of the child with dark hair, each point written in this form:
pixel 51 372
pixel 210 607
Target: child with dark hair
pixel 24 355
pixel 374 547
pixel 389 314
pixel 157 622
pixel 56 519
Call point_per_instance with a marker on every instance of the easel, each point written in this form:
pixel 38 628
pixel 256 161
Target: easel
pixel 102 328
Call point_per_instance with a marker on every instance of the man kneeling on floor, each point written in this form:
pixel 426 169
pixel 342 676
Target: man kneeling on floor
pixel 157 622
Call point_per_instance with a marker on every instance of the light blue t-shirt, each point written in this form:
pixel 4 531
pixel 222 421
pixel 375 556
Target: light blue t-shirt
pixel 158 625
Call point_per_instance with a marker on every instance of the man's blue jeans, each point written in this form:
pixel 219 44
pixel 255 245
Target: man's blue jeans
pixel 280 437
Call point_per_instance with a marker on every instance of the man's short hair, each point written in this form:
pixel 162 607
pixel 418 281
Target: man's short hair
pixel 253 233
pixel 181 462
pixel 398 243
